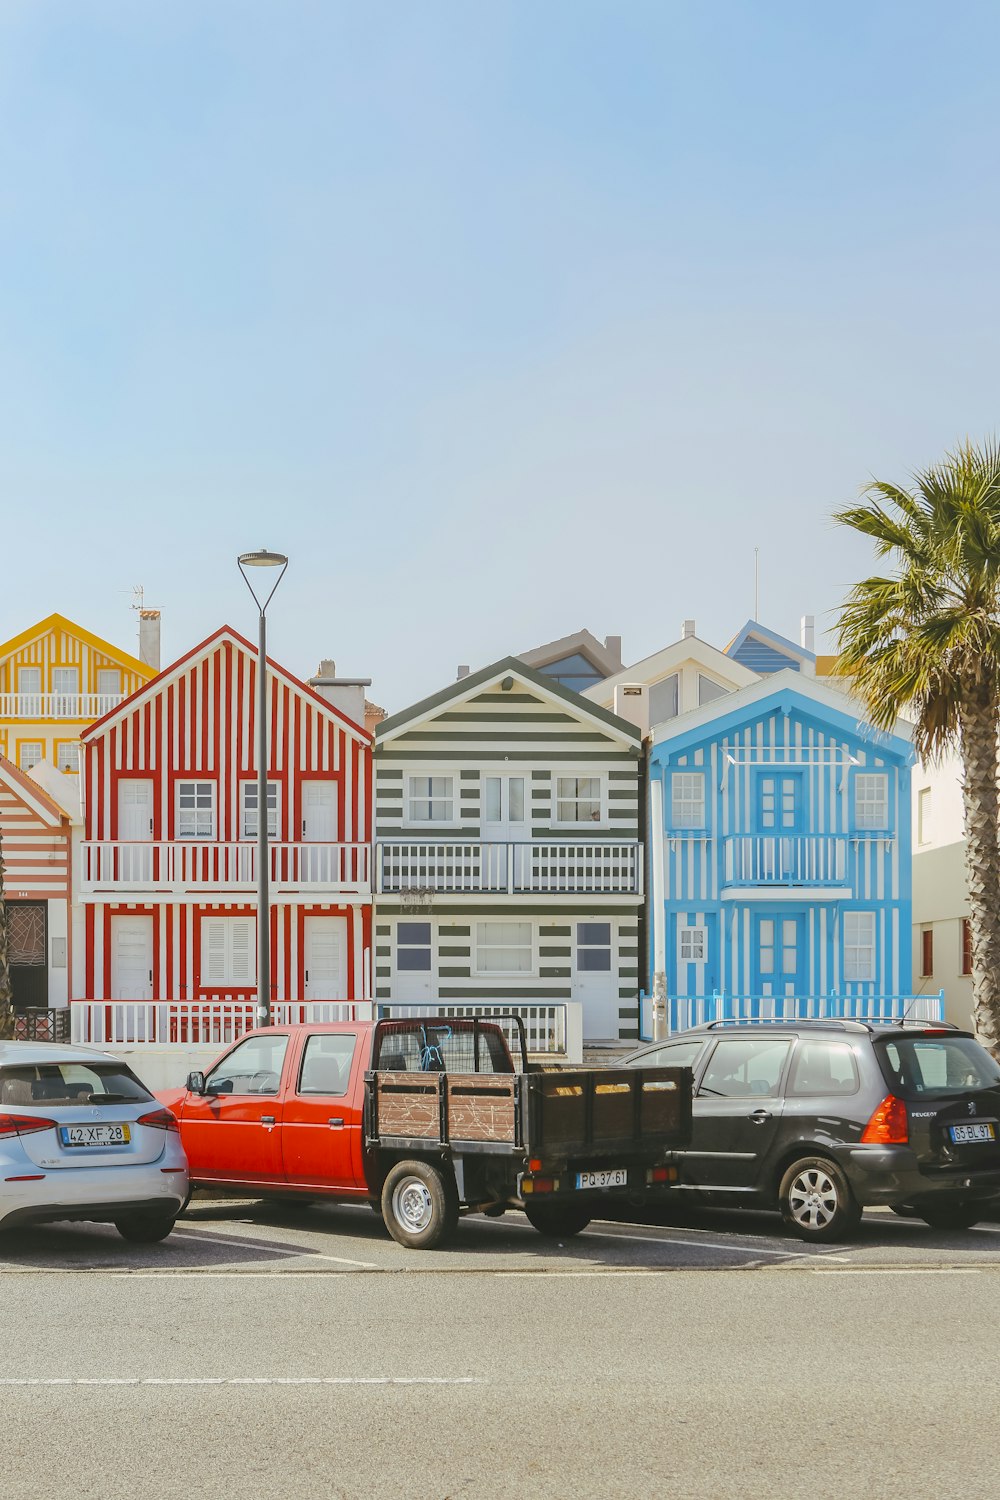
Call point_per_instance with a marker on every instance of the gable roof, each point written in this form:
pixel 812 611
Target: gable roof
pixel 509 666
pixel 60 622
pixel 30 793
pixel 753 630
pixel 176 669
pixel 786 689
pixel 582 643
pixel 662 663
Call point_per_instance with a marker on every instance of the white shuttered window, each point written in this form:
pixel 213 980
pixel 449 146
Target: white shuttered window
pixel 859 945
pixel 228 950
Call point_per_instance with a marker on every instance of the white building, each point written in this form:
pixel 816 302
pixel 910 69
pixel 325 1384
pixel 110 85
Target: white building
pixel 942 951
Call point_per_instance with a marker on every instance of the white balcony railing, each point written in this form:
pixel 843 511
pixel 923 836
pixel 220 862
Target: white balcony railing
pixel 181 866
pixel 36 706
pixel 785 859
pixel 511 869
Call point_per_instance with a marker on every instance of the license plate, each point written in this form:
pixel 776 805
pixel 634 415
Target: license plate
pixel 94 1135
pixel 981 1132
pixel 607 1177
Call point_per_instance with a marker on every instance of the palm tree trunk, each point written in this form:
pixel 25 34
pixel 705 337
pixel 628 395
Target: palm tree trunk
pixel 982 858
pixel 6 989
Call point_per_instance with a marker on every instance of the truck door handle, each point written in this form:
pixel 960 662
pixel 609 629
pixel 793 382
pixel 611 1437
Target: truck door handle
pixel 759 1116
pixel 267 1119
pixel 337 1124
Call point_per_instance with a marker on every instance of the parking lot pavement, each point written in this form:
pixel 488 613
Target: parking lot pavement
pixel 234 1238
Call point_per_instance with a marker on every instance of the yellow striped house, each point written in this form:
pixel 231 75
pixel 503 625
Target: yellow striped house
pixel 35 833
pixel 55 679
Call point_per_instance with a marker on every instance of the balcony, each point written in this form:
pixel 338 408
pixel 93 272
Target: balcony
pixel 481 868
pixel 163 871
pixel 808 859
pixel 38 706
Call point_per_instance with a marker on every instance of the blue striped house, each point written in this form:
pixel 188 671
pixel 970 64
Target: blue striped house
pixel 779 849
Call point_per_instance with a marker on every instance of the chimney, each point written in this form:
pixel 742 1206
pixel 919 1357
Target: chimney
pixel 149 638
pixel 632 703
pixel 807 633
pixel 687 629
pixel 345 693
pixel 613 646
pixel 462 672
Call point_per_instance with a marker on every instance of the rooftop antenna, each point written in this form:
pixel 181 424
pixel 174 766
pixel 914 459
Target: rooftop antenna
pixel 756 583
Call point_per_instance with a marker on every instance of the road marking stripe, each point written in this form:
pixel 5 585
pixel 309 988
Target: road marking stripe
pixel 648 1239
pixel 902 1271
pixel 243 1242
pixel 256 1380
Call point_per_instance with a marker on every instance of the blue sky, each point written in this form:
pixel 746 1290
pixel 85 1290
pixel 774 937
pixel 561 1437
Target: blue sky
pixel 501 319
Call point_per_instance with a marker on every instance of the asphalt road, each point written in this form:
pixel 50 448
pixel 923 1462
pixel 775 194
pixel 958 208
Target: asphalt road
pixel 299 1354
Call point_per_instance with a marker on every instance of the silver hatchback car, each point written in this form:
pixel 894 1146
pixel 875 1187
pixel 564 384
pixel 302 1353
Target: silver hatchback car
pixel 82 1138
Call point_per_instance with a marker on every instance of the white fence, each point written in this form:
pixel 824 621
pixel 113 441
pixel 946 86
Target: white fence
pixel 57 705
pixel 182 865
pixel 512 869
pixel 785 859
pixel 551 1031
pixel 685 1011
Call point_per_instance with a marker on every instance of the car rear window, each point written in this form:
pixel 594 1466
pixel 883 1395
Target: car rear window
pixel 69 1083
pixel 925 1067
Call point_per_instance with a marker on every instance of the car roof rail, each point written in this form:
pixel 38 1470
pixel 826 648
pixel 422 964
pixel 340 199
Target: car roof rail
pixel 834 1023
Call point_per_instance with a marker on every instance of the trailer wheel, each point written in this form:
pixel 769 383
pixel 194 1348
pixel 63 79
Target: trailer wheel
pixel 419 1205
pixel 558 1221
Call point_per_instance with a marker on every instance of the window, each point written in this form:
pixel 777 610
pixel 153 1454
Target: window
pixel 413 947
pixel 823 1068
pixel 708 690
pixel 326 1063
pixel 664 700
pixel 68 757
pixel 248 818
pixel 29 755
pixel 431 799
pixel 677 1055
pixel 69 1084
pixel 926 952
pixel 446 1046
pixel 578 799
pixel 196 809
pixel 66 691
pixel 593 947
pixel 253 1067
pixel 693 945
pixel 109 682
pixel 687 799
pixel 966 946
pixel 924 1066
pixel 745 1068
pixel 29 685
pixel 924 815
pixel 228 951
pixel 504 948
pixel 871 800
pixel 859 945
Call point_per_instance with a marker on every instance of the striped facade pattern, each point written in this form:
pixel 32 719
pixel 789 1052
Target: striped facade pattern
pixel 61 648
pixel 36 848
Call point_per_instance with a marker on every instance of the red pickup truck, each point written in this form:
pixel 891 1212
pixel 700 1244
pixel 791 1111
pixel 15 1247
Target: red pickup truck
pixel 426 1119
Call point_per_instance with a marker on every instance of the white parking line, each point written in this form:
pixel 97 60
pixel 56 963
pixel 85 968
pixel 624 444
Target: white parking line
pixel 256 1380
pixel 902 1271
pixel 244 1242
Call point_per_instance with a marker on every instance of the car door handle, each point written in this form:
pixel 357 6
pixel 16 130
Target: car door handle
pixel 337 1124
pixel 267 1119
pixel 759 1116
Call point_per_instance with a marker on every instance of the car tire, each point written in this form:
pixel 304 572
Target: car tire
pixel 816 1200
pixel 145 1229
pixel 557 1221
pixel 419 1205
pixel 951 1215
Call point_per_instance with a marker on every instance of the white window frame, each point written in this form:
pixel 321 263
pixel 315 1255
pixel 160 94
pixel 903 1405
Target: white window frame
pixel 682 781
pixel 195 781
pixel 29 745
pixel 235 939
pixel 859 941
pixel 695 941
pixel 249 784
pixel 71 749
pixel 430 945
pixel 29 692
pixel 569 774
pixel 867 807
pixel 925 815
pixel 479 945
pixel 411 797
pixel 60 695
pixel 106 692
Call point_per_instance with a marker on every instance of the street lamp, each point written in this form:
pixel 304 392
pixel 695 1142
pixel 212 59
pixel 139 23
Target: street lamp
pixel 262 559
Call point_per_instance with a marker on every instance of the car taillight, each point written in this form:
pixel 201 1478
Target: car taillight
pixel 889 1125
pixel 160 1119
pixel 23 1125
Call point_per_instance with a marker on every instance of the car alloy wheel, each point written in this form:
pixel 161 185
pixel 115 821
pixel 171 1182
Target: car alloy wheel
pixel 816 1201
pixel 813 1198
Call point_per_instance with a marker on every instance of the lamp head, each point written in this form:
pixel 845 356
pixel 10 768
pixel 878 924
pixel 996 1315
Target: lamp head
pixel 262 559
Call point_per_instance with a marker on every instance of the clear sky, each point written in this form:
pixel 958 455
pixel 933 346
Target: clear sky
pixel 502 319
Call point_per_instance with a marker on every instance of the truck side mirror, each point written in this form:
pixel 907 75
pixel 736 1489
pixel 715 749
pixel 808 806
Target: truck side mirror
pixel 196 1083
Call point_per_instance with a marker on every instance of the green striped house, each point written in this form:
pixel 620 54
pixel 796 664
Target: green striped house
pixel 508 844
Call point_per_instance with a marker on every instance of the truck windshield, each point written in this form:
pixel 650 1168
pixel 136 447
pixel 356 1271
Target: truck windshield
pixel 924 1067
pixel 441 1048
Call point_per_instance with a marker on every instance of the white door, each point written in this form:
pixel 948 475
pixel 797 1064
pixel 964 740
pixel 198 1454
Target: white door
pixel 29 685
pixel 319 812
pixel 504 821
pixel 413 975
pixel 595 981
pixel 131 958
pixel 135 830
pixel 325 959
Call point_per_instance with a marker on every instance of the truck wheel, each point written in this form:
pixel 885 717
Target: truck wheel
pixel 557 1221
pixel 419 1205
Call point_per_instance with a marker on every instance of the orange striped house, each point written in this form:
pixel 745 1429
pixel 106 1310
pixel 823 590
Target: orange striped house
pixel 36 833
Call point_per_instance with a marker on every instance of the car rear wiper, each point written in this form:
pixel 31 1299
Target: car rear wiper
pixel 112 1099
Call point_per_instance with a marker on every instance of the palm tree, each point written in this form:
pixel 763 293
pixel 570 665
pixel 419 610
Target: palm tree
pixel 925 641
pixel 6 990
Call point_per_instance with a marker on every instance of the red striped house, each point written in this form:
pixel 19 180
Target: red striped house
pixel 35 832
pixel 168 864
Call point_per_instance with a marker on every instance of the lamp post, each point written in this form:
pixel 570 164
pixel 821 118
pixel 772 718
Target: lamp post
pixel 262 559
